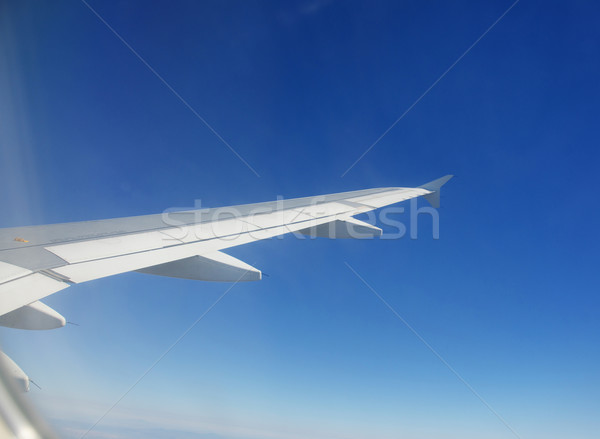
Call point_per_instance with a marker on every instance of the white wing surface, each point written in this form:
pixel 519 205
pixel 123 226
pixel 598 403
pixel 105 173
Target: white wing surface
pixel 40 260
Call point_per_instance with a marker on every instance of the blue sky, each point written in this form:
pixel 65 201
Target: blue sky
pixel 507 295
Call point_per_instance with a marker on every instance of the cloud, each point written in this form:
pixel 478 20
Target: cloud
pixel 72 418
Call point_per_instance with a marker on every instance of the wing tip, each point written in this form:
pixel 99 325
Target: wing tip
pixel 435 187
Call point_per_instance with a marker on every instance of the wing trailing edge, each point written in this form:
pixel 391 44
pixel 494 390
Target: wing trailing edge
pixel 27 289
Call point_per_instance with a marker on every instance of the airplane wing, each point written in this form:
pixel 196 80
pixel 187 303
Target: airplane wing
pixel 38 261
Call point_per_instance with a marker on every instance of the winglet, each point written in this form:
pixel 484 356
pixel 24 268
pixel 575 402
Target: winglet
pixel 435 187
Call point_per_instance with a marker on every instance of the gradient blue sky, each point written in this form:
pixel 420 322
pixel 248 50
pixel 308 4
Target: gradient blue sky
pixel 507 295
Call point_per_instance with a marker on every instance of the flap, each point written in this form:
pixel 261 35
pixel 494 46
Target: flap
pixel 27 289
